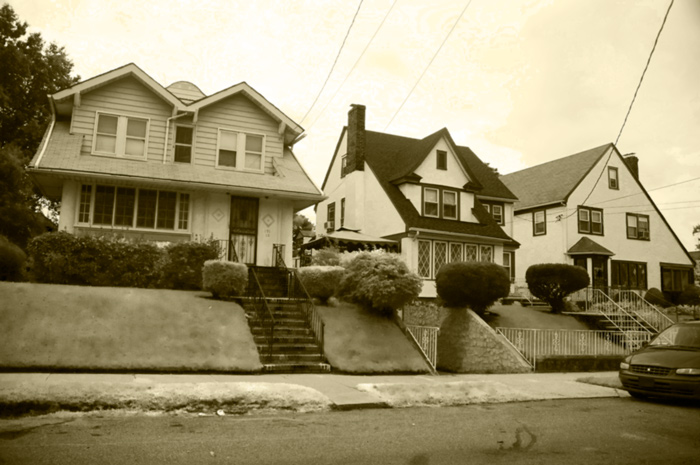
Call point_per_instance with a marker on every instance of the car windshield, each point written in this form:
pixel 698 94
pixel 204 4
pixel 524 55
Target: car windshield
pixel 684 336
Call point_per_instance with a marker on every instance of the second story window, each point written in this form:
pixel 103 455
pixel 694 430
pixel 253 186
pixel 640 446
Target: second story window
pixel 449 205
pixel 431 202
pixel 441 160
pixel 342 212
pixel 240 150
pixel 343 165
pixel 330 223
pixel 637 226
pixel 253 152
pixel 539 223
pixel 613 181
pixel 120 136
pixel 183 144
pixel 590 220
pixel 228 148
pixel 496 210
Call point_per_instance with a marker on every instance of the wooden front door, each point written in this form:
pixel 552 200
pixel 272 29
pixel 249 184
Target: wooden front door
pixel 244 228
pixel 600 273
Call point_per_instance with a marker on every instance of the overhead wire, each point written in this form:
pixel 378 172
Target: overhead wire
pixel 334 62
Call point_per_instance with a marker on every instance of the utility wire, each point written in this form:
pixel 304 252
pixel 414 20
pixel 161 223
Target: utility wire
pixel 353 66
pixel 430 63
pixel 334 62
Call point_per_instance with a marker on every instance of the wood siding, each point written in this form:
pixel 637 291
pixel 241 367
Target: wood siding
pixel 124 97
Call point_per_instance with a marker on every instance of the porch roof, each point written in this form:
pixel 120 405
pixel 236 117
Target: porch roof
pixel 351 240
pixel 586 246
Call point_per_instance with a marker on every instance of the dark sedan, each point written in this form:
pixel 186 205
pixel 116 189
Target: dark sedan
pixel 669 366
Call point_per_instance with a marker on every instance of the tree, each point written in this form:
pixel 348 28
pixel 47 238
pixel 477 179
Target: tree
pixel 552 282
pixel 30 71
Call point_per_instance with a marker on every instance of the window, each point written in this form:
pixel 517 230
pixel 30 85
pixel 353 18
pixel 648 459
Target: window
pixel 330 223
pixel 637 226
pixel 133 208
pixel 449 205
pixel 539 223
pixel 455 252
pixel 676 278
pixel 613 181
pixel 486 253
pixel 432 254
pixel 628 275
pixel 183 144
pixel 424 259
pixel 441 160
pixel 240 150
pixel 509 265
pixel 121 136
pixel 496 211
pixel 430 202
pixel 440 255
pixel 471 253
pixel 590 220
pixel 343 165
pixel 342 212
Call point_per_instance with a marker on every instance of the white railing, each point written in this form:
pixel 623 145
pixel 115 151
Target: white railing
pixel 426 338
pixel 632 301
pixel 534 343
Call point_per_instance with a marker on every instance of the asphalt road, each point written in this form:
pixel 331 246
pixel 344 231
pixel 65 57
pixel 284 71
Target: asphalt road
pixel 585 431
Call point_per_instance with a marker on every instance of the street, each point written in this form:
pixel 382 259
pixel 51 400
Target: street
pixel 585 431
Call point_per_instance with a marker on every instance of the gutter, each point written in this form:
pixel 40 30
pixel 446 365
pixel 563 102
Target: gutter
pixel 49 130
pixel 167 133
pixel 448 233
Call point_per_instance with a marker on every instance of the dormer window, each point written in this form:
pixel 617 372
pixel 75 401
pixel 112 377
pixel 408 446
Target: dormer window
pixel 449 205
pixel 496 211
pixel 431 202
pixel 240 150
pixel 441 160
pixel 183 144
pixel 440 203
pixel 120 136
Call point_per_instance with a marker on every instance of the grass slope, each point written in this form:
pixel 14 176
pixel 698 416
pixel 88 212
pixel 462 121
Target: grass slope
pixel 101 328
pixel 357 341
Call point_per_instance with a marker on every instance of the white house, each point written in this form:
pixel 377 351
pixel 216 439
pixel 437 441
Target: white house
pixel 429 195
pixel 127 155
pixel 590 209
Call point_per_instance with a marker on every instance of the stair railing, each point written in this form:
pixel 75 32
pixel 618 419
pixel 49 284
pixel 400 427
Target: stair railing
pixel 298 291
pixel 278 252
pixel 619 318
pixel 646 312
pixel 262 310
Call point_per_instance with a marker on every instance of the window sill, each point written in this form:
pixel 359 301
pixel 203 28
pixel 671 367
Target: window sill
pixel 232 168
pixel 124 229
pixel 117 157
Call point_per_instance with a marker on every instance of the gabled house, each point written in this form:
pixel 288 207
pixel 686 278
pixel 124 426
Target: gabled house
pixel 437 200
pixel 126 155
pixel 590 209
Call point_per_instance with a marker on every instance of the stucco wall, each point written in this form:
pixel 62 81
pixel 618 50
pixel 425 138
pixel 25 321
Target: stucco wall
pixel 547 248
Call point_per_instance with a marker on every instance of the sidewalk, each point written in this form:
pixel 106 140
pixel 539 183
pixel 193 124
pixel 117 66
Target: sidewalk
pixel 298 392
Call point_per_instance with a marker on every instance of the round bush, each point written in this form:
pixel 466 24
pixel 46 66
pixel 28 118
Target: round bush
pixel 476 285
pixel 690 296
pixel 224 279
pixel 321 282
pixel 327 256
pixel 552 282
pixel 379 281
pixel 655 297
pixel 12 260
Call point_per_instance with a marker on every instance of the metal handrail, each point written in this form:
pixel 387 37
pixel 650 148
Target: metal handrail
pixel 262 310
pixel 426 339
pixel 649 313
pixel 618 316
pixel 279 258
pixel 297 290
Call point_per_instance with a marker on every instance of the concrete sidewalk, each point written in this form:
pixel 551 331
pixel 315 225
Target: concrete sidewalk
pixel 342 392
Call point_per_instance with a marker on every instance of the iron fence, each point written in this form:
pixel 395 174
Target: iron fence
pixel 426 338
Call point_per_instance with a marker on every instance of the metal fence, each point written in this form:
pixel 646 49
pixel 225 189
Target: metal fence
pixel 426 337
pixel 534 343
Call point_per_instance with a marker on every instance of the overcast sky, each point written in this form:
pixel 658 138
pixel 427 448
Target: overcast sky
pixel 521 82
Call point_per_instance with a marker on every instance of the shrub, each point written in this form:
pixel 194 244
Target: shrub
pixel 690 296
pixel 474 284
pixel 12 260
pixel 380 282
pixel 328 256
pixel 655 297
pixel 224 279
pixel 182 268
pixel 552 282
pixel 321 282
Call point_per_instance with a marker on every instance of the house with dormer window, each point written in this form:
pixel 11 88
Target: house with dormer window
pixel 126 155
pixel 438 201
pixel 590 209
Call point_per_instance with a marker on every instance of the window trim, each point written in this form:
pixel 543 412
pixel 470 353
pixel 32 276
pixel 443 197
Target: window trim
pixel 191 144
pixel 342 212
pixel 437 198
pixel 432 272
pixel 240 150
pixel 330 208
pixel 441 156
pixel 615 266
pixel 534 223
pixel 490 208
pixel 121 136
pixel 637 217
pixel 590 211
pixel 343 165
pixel 440 192
pixel 456 204
pixel 613 181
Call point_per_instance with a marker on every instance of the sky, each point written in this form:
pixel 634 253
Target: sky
pixel 520 82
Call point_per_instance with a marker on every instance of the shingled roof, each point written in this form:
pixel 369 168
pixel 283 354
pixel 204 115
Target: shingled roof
pixel 554 181
pixel 394 157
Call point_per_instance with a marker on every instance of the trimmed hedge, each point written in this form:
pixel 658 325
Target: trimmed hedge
pixel 655 297
pixel 476 285
pixel 184 261
pixel 690 296
pixel 379 281
pixel 224 279
pixel 12 260
pixel 321 282
pixel 552 282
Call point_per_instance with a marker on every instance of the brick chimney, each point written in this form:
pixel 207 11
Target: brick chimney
pixel 632 163
pixel 357 139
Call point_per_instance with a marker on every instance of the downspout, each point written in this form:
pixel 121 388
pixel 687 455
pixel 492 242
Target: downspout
pixel 50 131
pixel 167 133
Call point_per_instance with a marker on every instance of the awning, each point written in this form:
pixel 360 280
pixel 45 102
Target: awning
pixel 347 239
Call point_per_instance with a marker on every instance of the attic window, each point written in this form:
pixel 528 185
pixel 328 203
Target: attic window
pixel 613 181
pixel 441 160
pixel 343 165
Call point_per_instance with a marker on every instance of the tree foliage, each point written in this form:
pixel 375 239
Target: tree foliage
pixel 552 282
pixel 476 285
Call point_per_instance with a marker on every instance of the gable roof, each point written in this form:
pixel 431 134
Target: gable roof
pixel 587 246
pixel 554 181
pixel 393 157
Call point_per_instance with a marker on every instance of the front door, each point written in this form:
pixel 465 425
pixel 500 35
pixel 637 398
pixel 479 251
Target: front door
pixel 600 273
pixel 244 228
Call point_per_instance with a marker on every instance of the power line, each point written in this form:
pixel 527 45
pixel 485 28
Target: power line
pixel 629 110
pixel 334 62
pixel 430 63
pixel 353 66
pixel 649 190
